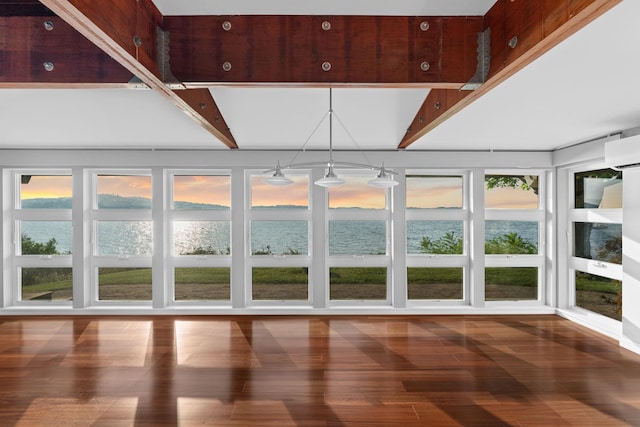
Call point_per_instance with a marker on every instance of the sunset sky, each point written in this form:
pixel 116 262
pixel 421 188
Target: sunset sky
pixel 421 193
pixel 434 192
pixel 210 189
pixel 46 187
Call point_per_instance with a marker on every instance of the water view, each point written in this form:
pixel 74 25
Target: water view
pixel 267 237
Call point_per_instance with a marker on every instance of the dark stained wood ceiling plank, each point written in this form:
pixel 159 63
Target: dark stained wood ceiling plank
pixel 127 31
pixel 534 27
pixel 30 42
pixel 291 50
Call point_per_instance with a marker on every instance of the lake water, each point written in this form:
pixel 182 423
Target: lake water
pixel 272 237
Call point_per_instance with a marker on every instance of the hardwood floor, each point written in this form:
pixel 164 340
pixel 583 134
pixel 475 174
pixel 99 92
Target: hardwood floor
pixel 313 371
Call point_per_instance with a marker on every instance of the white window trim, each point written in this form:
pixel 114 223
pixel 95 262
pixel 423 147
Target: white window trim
pixel 194 261
pixel 360 260
pixel 574 264
pixel 277 261
pixel 17 214
pixel 539 215
pixel 436 260
pixel 115 261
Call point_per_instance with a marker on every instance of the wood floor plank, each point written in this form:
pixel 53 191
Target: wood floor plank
pixel 313 371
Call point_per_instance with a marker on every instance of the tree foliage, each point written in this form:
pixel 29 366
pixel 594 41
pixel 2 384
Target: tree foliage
pixel 33 276
pixel 510 243
pixel 451 244
pixel 31 247
pixel 447 244
pixel 512 181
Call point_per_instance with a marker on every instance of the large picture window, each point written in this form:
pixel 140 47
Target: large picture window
pixel 171 238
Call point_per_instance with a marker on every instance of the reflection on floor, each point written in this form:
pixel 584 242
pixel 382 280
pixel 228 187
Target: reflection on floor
pixel 313 371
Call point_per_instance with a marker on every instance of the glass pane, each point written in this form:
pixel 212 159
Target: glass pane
pixel 435 237
pixel 45 237
pixel 511 283
pixel 598 189
pixel 511 237
pixel 45 191
pixel 124 284
pixel 202 284
pixel 356 193
pixel 597 241
pixel 124 192
pixel 357 238
pixel 435 283
pixel 46 284
pixel 267 196
pixel 201 192
pixel 201 237
pixel 279 237
pixel 289 283
pixel 599 294
pixel 429 192
pixel 358 283
pixel 124 238
pixel 511 192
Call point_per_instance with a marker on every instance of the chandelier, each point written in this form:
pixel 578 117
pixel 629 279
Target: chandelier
pixel 383 177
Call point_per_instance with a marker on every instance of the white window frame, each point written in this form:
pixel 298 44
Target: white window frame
pixel 539 215
pixel 360 261
pixel 34 261
pixel 277 261
pixel 436 260
pixel 599 268
pixel 194 261
pixel 116 261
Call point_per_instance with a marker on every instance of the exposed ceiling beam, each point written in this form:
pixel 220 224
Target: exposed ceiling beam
pixel 24 8
pixel 127 31
pixel 436 52
pixel 45 51
pixel 200 100
pixel 521 31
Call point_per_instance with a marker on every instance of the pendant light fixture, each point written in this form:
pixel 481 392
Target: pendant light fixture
pixel 383 179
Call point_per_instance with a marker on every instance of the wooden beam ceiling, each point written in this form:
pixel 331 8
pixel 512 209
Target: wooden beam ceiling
pixel 107 43
pixel 127 30
pixel 30 42
pixel 521 31
pixel 315 50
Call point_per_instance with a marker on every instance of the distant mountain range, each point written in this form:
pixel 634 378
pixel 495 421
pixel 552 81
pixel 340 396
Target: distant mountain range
pixel 111 201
